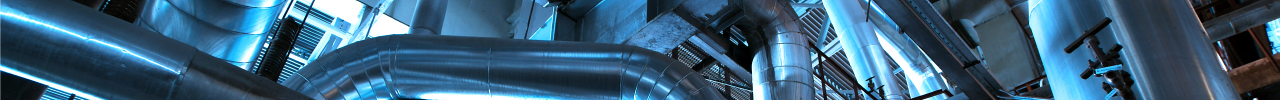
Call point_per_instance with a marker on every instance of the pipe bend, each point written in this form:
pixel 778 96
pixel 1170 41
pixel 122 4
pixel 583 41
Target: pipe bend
pixel 443 67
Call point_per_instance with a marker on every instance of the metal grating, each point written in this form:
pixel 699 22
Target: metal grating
pixel 812 22
pixel 307 41
pixel 55 94
pixel 291 68
pixel 302 47
pixel 300 7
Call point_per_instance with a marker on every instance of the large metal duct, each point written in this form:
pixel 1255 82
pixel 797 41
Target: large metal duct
pixel 93 55
pixel 858 38
pixel 429 18
pixel 228 29
pixel 789 74
pixel 1056 23
pixel 452 67
pixel 1170 56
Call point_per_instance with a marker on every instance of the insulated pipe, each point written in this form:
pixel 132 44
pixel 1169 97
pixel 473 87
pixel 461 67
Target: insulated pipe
pixel 1170 56
pixel 232 31
pixel 789 75
pixel 93 55
pixel 1057 23
pixel 452 67
pixel 862 46
pixel 429 18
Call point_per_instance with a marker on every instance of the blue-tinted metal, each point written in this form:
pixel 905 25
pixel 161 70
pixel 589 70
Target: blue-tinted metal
pixel 95 56
pixel 223 29
pixel 1056 23
pixel 862 46
pixel 450 67
pixel 1170 56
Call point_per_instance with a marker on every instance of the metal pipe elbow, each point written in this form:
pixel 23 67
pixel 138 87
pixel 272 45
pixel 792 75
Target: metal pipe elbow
pixel 450 67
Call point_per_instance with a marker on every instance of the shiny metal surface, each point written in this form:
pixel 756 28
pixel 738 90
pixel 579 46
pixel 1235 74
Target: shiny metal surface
pixel 1055 24
pixel 96 56
pixel 451 67
pixel 228 15
pixel 789 74
pixel 236 47
pixel 429 17
pixel 858 38
pixel 928 29
pixel 1240 20
pixel 1169 56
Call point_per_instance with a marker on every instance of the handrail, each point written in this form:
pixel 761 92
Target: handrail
pixel 843 72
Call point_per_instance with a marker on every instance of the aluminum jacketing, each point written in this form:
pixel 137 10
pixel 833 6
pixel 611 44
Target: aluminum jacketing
pixel 96 56
pixel 445 67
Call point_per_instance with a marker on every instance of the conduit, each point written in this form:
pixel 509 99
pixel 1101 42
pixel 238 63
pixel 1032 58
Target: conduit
pixel 451 67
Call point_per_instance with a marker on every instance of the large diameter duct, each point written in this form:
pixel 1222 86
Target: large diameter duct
pixel 789 75
pixel 1170 56
pixel 93 55
pixel 230 30
pixel 862 46
pixel 1056 23
pixel 429 18
pixel 451 67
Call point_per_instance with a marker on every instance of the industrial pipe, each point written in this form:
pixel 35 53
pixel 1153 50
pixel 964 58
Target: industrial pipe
pixel 1170 56
pixel 228 29
pixel 96 56
pixel 788 75
pixel 429 17
pixel 858 38
pixel 452 67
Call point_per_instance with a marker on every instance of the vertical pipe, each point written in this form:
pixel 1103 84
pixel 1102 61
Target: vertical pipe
pixel 1057 23
pixel 1170 56
pixel 858 38
pixel 429 18
pixel 788 75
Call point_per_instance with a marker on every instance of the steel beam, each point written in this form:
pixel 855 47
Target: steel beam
pixel 1242 19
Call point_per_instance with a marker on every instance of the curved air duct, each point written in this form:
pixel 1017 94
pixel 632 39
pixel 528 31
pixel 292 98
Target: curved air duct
pixel 450 67
pixel 228 29
pixel 788 75
pixel 93 55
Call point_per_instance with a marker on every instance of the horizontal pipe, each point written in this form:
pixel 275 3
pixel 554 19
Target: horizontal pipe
pixel 96 56
pixel 452 67
pixel 224 29
pixel 1240 20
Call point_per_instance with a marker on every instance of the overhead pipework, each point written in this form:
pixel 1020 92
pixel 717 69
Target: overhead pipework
pixel 786 74
pixel 452 67
pixel 96 56
pixel 232 30
pixel 858 39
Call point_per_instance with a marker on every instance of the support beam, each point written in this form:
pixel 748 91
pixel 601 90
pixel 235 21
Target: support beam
pixel 1256 74
pixel 1242 19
